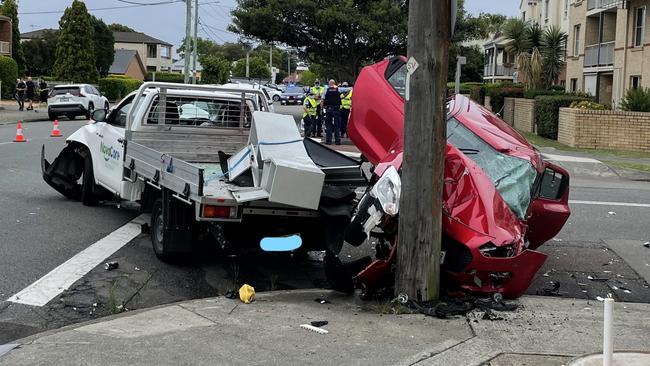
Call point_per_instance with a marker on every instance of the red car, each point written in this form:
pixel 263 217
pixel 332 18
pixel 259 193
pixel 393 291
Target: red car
pixel 501 199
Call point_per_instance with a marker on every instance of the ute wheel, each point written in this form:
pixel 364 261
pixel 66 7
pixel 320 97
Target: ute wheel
pixel 88 196
pixel 158 232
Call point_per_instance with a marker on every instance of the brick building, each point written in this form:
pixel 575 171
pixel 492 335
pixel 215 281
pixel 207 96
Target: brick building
pixel 5 35
pixel 608 41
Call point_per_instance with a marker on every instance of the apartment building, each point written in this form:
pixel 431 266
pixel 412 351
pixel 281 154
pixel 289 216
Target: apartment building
pixel 499 65
pixel 608 41
pixel 5 36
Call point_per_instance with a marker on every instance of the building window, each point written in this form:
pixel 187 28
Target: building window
pixel 635 81
pixel 152 51
pixel 574 85
pixel 523 16
pixel 576 40
pixel 639 26
pixel 546 6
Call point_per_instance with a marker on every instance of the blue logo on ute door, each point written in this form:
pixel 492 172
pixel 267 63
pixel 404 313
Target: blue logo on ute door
pixel 108 152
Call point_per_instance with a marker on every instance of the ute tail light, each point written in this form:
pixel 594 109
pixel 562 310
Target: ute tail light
pixel 223 212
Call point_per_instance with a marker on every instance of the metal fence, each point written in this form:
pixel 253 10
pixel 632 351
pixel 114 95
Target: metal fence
pixel 501 70
pixel 599 55
pixel 602 4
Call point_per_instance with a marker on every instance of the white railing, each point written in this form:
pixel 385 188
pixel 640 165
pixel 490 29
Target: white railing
pixel 601 4
pixel 5 48
pixel 488 70
pixel 501 70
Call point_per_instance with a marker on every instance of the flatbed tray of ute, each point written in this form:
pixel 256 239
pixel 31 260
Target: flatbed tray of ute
pixel 339 169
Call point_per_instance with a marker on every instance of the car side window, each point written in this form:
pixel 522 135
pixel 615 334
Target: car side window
pixel 119 114
pixel 398 80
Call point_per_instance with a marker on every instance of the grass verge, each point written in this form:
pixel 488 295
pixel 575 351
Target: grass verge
pixel 625 165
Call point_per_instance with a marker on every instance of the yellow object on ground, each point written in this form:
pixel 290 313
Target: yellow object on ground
pixel 247 294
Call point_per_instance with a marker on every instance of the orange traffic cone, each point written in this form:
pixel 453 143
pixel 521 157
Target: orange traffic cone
pixel 19 133
pixel 55 129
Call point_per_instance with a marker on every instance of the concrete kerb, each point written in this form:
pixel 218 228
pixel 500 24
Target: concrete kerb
pixel 545 328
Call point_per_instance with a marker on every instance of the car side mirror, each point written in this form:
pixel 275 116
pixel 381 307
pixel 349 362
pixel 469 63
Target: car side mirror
pixel 99 115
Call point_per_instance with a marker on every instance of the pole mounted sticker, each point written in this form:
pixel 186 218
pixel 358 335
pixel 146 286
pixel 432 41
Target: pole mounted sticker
pixel 411 66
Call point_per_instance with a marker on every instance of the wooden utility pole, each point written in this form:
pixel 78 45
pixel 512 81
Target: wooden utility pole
pixel 420 216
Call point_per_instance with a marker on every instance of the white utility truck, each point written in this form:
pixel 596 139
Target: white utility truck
pixel 209 162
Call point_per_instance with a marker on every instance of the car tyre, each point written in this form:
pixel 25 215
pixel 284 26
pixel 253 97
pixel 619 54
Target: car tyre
pixel 88 196
pixel 52 116
pixel 71 116
pixel 89 110
pixel 276 98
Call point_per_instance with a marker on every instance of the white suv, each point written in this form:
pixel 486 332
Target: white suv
pixel 74 100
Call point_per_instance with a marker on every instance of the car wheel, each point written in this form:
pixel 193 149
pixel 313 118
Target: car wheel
pixel 71 116
pixel 106 106
pixel 276 98
pixel 88 196
pixel 52 116
pixel 89 111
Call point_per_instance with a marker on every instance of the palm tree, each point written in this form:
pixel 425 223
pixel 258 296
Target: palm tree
pixel 518 44
pixel 553 52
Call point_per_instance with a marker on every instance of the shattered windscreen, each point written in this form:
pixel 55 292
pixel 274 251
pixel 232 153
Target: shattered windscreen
pixel 513 177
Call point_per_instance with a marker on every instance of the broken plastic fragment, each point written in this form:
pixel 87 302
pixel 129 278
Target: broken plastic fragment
pixel 611 213
pixel 319 323
pixel 109 266
pixel 646 244
pixel 598 279
pixel 402 298
pixel 313 328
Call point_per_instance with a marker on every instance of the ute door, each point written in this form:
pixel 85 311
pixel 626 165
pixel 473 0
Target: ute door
pixel 111 147
pixel 550 210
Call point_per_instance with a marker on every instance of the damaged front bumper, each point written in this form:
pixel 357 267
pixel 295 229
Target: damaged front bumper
pixel 64 172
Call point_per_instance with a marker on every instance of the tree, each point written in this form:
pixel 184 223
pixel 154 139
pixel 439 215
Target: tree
pixel 473 69
pixel 75 51
pixel 553 51
pixel 216 70
pixel 116 27
pixel 8 76
pixel 104 46
pixel 258 68
pixel 340 34
pixel 308 77
pixel 42 53
pixel 9 8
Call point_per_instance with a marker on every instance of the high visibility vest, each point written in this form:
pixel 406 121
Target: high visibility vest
pixel 311 104
pixel 318 91
pixel 346 100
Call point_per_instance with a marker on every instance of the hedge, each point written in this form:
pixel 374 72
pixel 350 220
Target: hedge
pixel 166 77
pixel 497 95
pixel 532 93
pixel 8 76
pixel 547 111
pixel 116 88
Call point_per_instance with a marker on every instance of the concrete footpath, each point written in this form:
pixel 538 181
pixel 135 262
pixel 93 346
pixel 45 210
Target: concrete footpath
pixel 219 331
pixel 9 114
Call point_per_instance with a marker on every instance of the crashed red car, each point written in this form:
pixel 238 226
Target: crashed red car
pixel 501 200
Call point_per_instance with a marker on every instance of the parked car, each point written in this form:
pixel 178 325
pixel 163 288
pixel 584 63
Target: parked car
pixel 293 95
pixel 501 200
pixel 75 100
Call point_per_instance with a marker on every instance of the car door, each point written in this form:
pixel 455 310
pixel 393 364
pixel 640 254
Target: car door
pixel 550 210
pixel 111 147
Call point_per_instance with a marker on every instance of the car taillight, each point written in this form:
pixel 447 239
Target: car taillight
pixel 217 211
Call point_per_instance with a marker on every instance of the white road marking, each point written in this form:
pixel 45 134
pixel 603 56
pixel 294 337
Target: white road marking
pixel 601 203
pixel 572 159
pixel 62 277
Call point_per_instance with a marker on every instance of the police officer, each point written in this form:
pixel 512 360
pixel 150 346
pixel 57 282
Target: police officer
pixel 317 90
pixel 346 105
pixel 309 117
pixel 332 105
pixel 20 93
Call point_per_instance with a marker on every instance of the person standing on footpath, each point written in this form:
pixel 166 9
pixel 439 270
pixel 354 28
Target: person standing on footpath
pixel 44 92
pixel 317 91
pixel 30 92
pixel 20 93
pixel 332 106
pixel 346 105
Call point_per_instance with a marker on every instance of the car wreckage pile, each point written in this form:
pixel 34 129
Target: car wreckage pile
pixel 252 178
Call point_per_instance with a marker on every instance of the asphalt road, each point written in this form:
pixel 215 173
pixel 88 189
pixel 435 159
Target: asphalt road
pixel 40 229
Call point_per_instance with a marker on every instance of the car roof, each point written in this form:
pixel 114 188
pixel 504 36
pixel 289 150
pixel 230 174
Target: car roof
pixel 70 85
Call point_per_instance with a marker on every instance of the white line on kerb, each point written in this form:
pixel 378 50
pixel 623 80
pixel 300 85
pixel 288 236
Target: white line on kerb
pixel 570 159
pixel 601 203
pixel 62 277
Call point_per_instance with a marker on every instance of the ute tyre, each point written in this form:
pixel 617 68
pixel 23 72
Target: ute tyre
pixel 157 234
pixel 276 98
pixel 88 196
pixel 71 116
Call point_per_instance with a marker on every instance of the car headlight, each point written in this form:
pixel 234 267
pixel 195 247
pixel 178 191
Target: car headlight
pixel 387 190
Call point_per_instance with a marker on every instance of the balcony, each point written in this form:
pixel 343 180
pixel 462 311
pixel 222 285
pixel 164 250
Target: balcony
pixel 5 48
pixel 599 55
pixel 501 70
pixel 601 4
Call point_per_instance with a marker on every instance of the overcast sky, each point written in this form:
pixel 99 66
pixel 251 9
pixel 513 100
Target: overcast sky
pixel 167 21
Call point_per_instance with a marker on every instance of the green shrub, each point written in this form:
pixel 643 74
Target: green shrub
pixel 547 110
pixel 532 93
pixel 588 104
pixel 497 95
pixel 8 76
pixel 166 77
pixel 116 88
pixel 636 100
pixel 477 93
pixel 558 88
pixel 48 78
pixel 118 76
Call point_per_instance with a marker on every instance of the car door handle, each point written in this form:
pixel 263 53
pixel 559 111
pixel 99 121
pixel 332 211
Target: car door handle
pixel 121 141
pixel 100 135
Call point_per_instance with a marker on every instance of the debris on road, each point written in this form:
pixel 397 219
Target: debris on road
pixel 109 266
pixel 646 244
pixel 319 323
pixel 552 290
pixel 612 213
pixel 145 228
pixel 231 294
pixel 597 279
pixel 322 300
pixel 314 329
pixel 246 294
